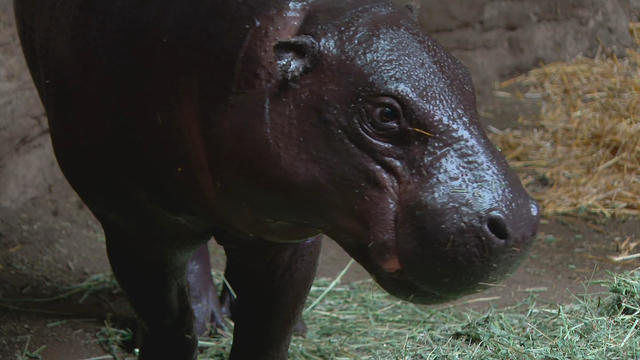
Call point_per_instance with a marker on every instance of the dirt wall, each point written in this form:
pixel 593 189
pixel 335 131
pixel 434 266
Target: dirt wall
pixel 27 166
pixel 498 39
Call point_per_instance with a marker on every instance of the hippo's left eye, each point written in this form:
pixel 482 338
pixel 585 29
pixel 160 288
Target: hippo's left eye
pixel 383 117
pixel 388 114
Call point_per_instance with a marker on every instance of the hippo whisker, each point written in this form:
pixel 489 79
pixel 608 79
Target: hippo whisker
pixel 423 132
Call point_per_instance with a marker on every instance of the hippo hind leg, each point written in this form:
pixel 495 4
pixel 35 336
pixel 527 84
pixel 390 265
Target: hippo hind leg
pixel 204 297
pixel 150 264
pixel 271 282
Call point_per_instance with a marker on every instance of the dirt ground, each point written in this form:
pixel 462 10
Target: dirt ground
pixel 52 242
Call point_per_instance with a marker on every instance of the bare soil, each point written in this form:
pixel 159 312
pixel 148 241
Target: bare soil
pixel 50 242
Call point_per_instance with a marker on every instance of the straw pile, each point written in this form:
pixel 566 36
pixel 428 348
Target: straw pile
pixel 584 154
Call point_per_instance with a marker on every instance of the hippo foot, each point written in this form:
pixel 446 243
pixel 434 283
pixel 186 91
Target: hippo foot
pixel 155 347
pixel 208 314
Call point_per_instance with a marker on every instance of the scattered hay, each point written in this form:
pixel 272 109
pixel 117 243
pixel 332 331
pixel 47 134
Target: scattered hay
pixel 102 282
pixel 27 354
pixel 360 321
pixel 111 339
pixel 584 155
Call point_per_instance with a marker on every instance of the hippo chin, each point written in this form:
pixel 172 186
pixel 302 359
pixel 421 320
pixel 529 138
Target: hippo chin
pixel 262 123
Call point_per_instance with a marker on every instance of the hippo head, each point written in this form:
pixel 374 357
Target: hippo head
pixel 371 136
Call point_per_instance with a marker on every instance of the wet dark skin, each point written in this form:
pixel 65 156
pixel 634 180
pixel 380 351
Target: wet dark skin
pixel 264 124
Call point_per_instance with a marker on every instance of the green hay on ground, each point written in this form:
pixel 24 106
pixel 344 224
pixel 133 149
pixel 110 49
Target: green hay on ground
pixel 360 321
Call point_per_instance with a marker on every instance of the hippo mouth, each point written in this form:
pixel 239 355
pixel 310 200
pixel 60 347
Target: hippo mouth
pixel 441 270
pixel 440 253
pixel 421 291
pixel 438 282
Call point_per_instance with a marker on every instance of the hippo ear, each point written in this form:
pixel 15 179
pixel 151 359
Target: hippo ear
pixel 295 56
pixel 411 6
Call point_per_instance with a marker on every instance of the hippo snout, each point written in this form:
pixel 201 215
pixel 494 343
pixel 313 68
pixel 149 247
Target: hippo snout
pixel 449 251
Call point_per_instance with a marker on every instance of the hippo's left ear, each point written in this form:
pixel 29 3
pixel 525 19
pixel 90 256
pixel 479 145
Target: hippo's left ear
pixel 295 56
pixel 411 6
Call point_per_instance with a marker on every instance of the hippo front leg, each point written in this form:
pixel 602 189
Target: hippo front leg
pixel 153 275
pixel 271 282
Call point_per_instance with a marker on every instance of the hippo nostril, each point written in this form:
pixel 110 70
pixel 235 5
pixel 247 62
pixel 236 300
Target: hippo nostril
pixel 498 227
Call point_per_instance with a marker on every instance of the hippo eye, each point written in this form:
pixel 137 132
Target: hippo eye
pixel 388 114
pixel 383 117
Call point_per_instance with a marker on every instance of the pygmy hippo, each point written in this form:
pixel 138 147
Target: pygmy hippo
pixel 263 124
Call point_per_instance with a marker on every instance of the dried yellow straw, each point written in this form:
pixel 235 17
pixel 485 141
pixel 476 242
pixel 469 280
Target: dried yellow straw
pixel 584 154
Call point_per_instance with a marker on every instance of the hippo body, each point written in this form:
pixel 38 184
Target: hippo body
pixel 263 124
